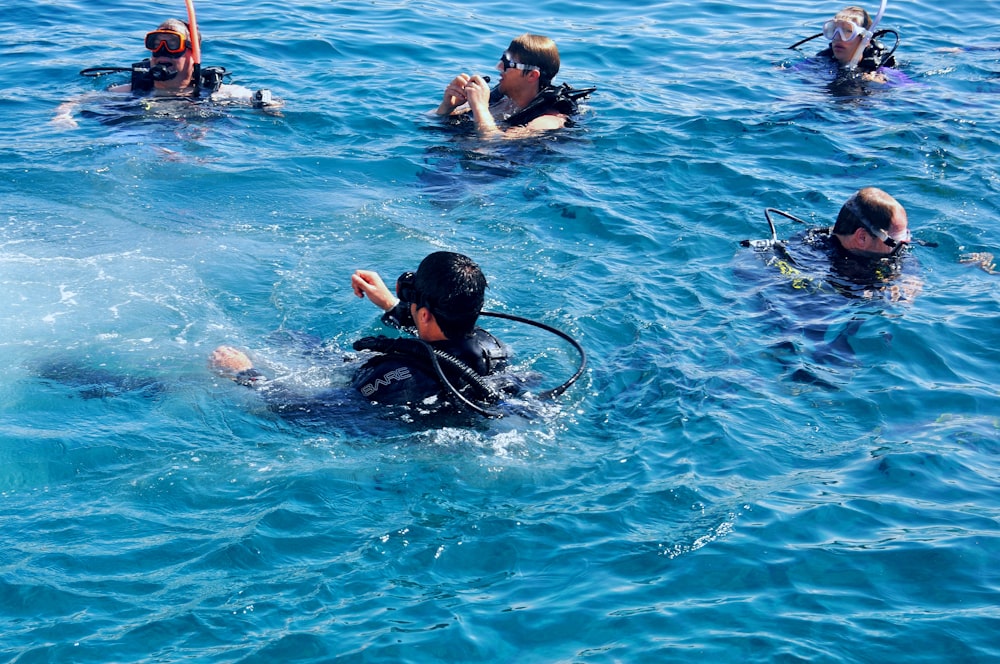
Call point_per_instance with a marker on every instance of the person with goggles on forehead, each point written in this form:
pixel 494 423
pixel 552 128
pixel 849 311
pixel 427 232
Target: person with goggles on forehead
pixel 849 31
pixel 441 302
pixel 524 102
pixel 865 246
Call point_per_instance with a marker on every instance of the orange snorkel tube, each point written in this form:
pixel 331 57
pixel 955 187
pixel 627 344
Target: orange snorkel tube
pixel 195 45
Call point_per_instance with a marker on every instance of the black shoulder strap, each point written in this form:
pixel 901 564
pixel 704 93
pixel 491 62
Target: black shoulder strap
pixel 210 77
pixel 142 80
pixel 561 100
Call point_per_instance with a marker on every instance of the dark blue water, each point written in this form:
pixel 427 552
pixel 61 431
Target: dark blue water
pixel 754 468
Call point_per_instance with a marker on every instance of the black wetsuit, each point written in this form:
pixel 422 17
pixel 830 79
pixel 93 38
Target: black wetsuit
pixel 875 56
pixel 550 99
pixel 409 377
pixel 817 258
pixel 404 372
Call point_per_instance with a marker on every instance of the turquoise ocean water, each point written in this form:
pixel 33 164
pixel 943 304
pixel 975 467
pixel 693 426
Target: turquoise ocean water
pixel 754 468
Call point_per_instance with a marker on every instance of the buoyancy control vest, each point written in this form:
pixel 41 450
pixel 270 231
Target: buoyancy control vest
pixel 551 99
pixel 210 77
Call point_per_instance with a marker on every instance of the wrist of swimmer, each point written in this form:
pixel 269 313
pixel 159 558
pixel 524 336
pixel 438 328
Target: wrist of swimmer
pixel 249 377
pixel 486 121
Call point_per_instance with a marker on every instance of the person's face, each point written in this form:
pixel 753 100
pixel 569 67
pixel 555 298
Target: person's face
pixel 182 61
pixel 899 235
pixel 513 74
pixel 845 37
pixel 185 70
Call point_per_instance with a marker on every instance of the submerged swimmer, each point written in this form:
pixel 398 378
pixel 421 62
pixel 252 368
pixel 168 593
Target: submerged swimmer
pixel 173 70
pixel 863 257
pixel 860 255
pixel 524 102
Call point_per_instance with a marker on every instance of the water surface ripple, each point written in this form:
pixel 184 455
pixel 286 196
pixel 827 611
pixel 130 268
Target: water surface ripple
pixel 755 468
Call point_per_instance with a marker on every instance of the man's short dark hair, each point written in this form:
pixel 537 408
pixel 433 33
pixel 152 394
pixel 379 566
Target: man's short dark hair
pixel 454 288
pixel 874 204
pixel 538 51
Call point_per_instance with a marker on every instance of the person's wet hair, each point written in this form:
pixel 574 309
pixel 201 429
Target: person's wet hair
pixel 877 207
pixel 180 26
pixel 453 287
pixel 538 51
pixel 855 15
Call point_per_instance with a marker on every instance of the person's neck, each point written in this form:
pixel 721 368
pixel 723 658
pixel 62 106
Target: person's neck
pixel 427 326
pixel 174 90
pixel 522 98
pixel 847 243
pixel 432 335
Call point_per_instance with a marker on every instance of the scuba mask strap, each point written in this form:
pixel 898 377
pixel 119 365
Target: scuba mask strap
pixel 866 223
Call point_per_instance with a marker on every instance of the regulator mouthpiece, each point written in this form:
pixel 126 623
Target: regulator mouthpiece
pixel 162 72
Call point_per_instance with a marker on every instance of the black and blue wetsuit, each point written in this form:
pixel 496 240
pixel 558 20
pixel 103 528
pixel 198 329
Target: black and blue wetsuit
pixel 402 371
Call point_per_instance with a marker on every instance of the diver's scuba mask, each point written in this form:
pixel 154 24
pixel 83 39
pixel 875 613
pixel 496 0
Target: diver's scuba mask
pixel 168 43
pixel 406 288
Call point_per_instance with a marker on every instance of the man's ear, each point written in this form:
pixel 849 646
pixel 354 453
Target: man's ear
pixel 424 315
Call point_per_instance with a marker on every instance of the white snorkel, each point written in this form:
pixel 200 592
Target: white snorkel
pixel 859 53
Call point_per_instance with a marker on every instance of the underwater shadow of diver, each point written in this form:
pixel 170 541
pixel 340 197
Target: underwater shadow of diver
pixel 815 360
pixel 113 112
pixel 465 164
pixel 95 383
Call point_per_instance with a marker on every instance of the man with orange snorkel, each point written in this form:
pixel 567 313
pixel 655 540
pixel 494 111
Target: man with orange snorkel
pixel 174 70
pixel 171 68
